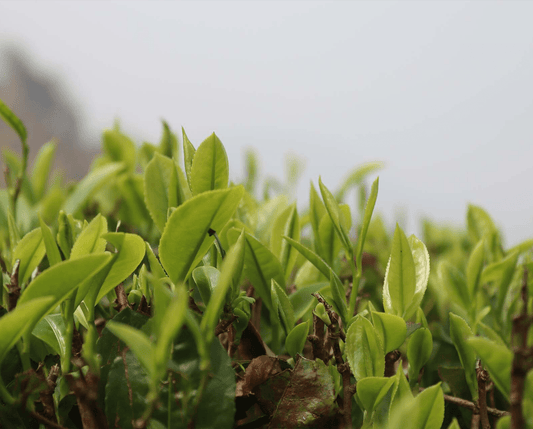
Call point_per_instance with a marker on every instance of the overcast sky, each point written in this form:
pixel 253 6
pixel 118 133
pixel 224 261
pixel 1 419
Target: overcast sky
pixel 442 92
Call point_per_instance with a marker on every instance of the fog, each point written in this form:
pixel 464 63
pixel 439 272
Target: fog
pixel 441 92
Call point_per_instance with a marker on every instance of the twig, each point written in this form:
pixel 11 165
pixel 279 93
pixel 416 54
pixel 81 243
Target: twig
pixel 482 378
pixel 334 333
pixel 45 421
pixel 522 359
pixel 122 299
pixel 318 340
pixel 472 405
pixel 13 287
pixel 390 360
pixel 223 325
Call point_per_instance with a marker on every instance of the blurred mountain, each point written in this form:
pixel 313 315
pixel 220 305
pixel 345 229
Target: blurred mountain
pixel 48 111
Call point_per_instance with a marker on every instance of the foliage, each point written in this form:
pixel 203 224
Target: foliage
pixel 156 293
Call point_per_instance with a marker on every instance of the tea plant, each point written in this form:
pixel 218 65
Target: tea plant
pixel 155 293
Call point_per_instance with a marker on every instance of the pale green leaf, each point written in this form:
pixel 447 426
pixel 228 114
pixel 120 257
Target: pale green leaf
pixel 391 329
pixel 41 169
pixel 90 239
pixel 364 350
pixel 30 250
pixel 210 168
pixel 295 341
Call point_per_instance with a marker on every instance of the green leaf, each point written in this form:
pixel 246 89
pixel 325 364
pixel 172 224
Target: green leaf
pixel 330 243
pixel 206 278
pixel 460 332
pixel 400 277
pixel 188 154
pixel 210 168
pixel 454 283
pixel 372 390
pixel 125 375
pixel 231 265
pixel 339 297
pixel 474 267
pixel 419 351
pixel 41 169
pixel 51 329
pixel 14 122
pixel 295 341
pixel 357 177
pixel 168 145
pixel 15 323
pixel 391 329
pixel 317 210
pixel 311 256
pixel 119 148
pixel 90 184
pixel 186 238
pixel 369 209
pixel 287 224
pixel 260 267
pixel 90 240
pixel 421 260
pixel 138 342
pixel 30 250
pixel 497 359
pixel 501 273
pixel 426 411
pixel 131 249
pixel 364 350
pixel 52 251
pixel 155 267
pixel 174 320
pixel 61 279
pixel 157 181
pixel 282 307
pixel 335 214
pixel 302 301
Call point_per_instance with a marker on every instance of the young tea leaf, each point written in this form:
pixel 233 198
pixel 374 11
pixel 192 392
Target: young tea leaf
pixel 419 351
pixel 391 329
pixel 369 209
pixel 90 240
pixel 30 250
pixel 364 350
pixel 210 168
pixel 188 154
pixel 296 339
pixel 41 169
pixel 186 238
pixel 460 332
pixel 52 251
pixel 372 390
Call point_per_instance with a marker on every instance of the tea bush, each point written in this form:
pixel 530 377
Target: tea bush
pixel 154 293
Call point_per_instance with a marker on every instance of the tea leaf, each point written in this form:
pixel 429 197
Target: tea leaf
pixel 41 169
pixel 157 181
pixel 311 256
pixel 372 390
pixel 474 268
pixel 131 249
pixel 333 210
pixel 400 277
pixel 119 148
pixel 369 209
pixel 282 307
pixel 13 121
pixel 296 339
pixel 497 359
pixel 30 250
pixel 52 251
pixel 90 184
pixel 206 278
pixel 138 342
pixel 185 239
pixel 460 332
pixel 188 154
pixel 90 240
pixel 210 168
pixel 391 329
pixel 364 350
pixel 61 279
pixel 339 296
pixel 419 351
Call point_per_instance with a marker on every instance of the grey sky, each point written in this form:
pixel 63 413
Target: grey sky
pixel 440 91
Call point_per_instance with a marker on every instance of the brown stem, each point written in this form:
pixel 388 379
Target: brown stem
pixel 471 405
pixel 13 287
pixel 46 396
pixel 482 378
pixel 223 325
pixel 522 358
pixel 390 360
pixel 122 299
pixel 48 423
pixel 334 333
pixel 318 340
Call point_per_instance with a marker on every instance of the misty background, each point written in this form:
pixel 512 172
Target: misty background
pixel 441 92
